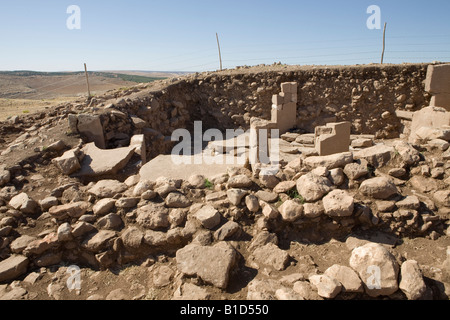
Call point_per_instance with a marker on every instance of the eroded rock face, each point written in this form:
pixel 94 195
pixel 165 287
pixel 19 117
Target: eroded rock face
pixel 211 264
pixel 377 268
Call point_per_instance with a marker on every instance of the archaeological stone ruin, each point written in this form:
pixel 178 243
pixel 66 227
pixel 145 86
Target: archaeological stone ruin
pixel 333 177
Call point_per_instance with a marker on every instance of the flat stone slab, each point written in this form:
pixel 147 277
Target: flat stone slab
pixel 13 267
pixel 98 162
pixel 163 165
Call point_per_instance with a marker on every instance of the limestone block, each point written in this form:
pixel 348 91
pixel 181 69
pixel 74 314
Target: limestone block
pixel 333 138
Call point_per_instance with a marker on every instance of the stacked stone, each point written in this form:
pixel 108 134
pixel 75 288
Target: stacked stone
pixel 284 107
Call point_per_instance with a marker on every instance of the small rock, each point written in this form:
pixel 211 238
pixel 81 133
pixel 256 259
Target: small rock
pixel 208 216
pixel 267 196
pixel 412 283
pixel 347 277
pixel 13 267
pixel 327 287
pixel 24 203
pixel 153 216
pixel 107 188
pixel 239 181
pixel 48 202
pixel 111 221
pixel 235 196
pixel 252 203
pixel 64 232
pixel 226 231
pixel 177 200
pixel 104 206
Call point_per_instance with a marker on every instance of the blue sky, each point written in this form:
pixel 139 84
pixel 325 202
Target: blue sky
pixel 179 35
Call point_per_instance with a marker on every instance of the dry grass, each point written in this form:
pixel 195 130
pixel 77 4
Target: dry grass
pixel 16 107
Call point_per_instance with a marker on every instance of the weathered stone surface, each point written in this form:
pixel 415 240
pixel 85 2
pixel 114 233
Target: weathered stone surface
pixel 410 202
pixel 269 211
pixel 347 277
pixel 442 197
pixel 132 238
pixel 24 203
pixel 377 156
pixel 284 186
pixel 48 202
pixel 81 228
pixel 107 188
pixel 313 210
pixel 377 268
pixel 291 210
pixel 197 181
pixel 153 216
pixel 211 264
pixel 263 290
pixel 267 196
pixel 69 162
pixel 91 127
pixel 39 246
pixel 64 232
pixel 239 181
pixel 191 292
pixel 143 186
pixel 226 231
pixel 378 188
pixel 104 206
pixel 252 203
pixel 208 216
pixel 177 200
pixel 337 176
pixel 19 244
pixel 409 155
pixel 312 187
pixel 338 203
pixel 5 176
pixel 127 203
pixel 355 171
pixel 423 184
pixel 98 162
pixel 269 180
pixel 111 221
pixel 13 267
pixel 338 160
pixel 74 210
pixel 235 196
pixel 98 241
pixel 412 283
pixel 271 255
pixel 327 287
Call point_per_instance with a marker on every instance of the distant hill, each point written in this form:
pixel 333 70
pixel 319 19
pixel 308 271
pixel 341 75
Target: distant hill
pixel 35 85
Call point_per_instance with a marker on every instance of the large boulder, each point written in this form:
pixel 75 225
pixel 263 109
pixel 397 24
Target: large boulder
pixel 378 188
pixel 211 264
pixel 338 203
pixel 339 160
pixel 313 187
pixel 377 268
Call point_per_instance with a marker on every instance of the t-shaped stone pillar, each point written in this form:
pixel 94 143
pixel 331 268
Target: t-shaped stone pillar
pixel 438 84
pixel 333 138
pixel 284 107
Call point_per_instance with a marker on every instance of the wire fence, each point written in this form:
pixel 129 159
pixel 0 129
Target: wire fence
pixel 399 49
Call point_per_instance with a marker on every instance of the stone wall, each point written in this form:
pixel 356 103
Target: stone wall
pixel 367 96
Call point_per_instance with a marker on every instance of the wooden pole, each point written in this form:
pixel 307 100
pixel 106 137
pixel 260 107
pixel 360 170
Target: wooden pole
pixel 87 80
pixel 220 55
pixel 384 43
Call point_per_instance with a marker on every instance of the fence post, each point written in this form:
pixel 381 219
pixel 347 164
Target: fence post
pixel 220 55
pixel 87 80
pixel 384 43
